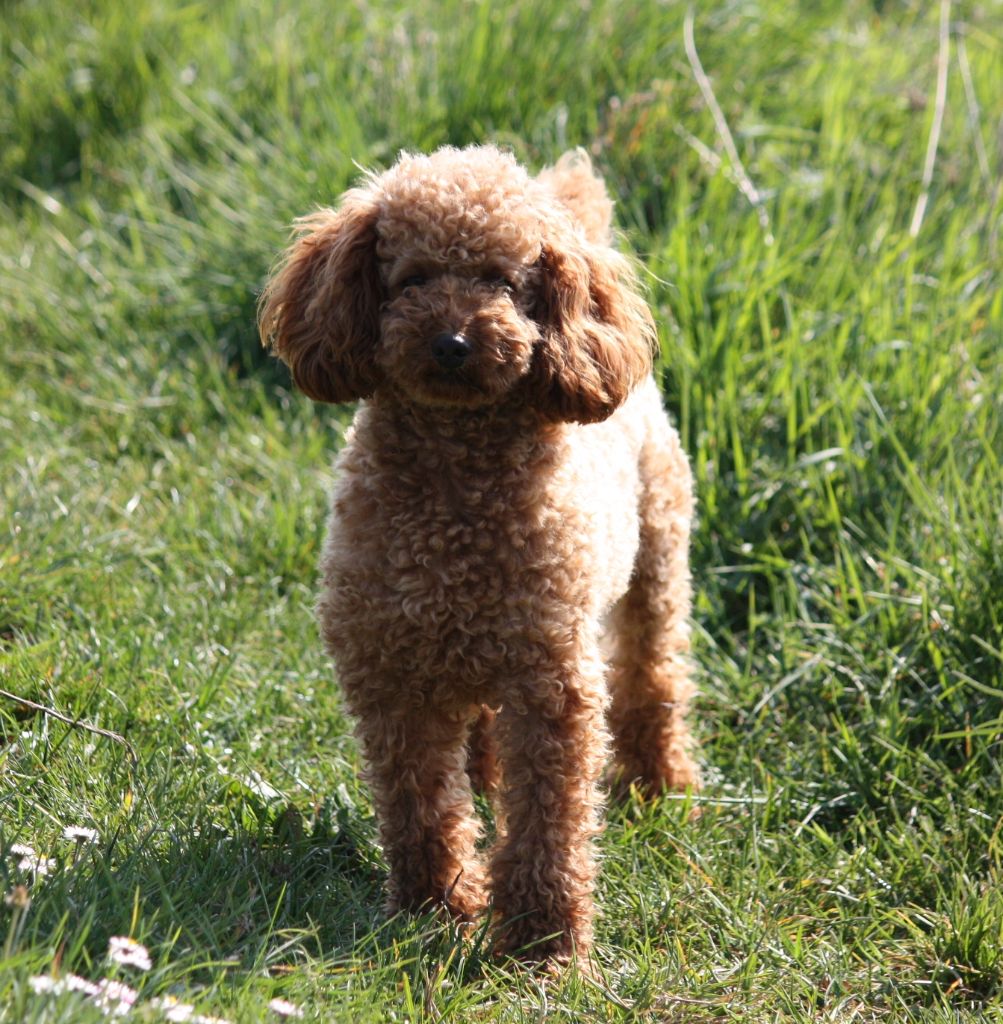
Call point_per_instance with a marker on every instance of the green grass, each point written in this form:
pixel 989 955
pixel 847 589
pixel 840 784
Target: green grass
pixel 162 499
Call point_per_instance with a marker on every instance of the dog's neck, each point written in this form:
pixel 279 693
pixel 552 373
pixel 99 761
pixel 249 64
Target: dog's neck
pixel 506 434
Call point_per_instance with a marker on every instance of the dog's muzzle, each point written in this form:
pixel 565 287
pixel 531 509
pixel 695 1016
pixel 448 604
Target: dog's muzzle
pixel 450 351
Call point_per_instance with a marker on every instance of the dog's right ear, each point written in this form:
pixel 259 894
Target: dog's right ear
pixel 319 311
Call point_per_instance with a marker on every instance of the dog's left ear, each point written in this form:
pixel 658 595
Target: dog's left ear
pixel 597 334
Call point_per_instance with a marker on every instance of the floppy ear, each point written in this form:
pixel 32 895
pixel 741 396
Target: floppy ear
pixel 597 334
pixel 319 312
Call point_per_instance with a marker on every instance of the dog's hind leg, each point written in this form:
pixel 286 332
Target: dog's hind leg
pixel 650 673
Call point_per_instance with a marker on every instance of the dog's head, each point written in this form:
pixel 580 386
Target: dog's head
pixel 456 280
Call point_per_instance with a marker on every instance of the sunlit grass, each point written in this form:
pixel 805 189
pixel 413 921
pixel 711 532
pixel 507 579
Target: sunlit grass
pixel 162 499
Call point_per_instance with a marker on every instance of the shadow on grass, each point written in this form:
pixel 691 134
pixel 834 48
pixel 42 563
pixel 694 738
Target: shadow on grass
pixel 247 899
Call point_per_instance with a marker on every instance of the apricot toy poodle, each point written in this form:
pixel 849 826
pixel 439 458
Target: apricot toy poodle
pixel 506 585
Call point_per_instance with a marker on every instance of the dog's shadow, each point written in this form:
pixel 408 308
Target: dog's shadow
pixel 273 888
pixel 279 886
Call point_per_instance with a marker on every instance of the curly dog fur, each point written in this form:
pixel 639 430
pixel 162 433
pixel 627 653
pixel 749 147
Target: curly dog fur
pixel 506 586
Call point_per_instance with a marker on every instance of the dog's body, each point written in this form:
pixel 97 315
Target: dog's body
pixel 509 490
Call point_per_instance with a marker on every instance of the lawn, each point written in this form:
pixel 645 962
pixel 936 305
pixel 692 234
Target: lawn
pixel 814 191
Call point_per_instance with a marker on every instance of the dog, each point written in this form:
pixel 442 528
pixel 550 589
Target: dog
pixel 505 577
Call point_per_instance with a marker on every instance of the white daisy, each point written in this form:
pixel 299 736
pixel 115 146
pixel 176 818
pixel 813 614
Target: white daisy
pixel 173 1009
pixel 128 953
pixel 46 983
pixel 74 983
pixel 35 863
pixel 80 834
pixel 114 998
pixel 284 1008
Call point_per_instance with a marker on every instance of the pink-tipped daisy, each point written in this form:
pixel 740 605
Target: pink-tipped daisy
pixel 284 1008
pixel 115 998
pixel 129 953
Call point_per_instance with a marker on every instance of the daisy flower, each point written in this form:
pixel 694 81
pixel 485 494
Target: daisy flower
pixel 129 953
pixel 45 983
pixel 173 1009
pixel 115 998
pixel 79 834
pixel 284 1008
pixel 31 860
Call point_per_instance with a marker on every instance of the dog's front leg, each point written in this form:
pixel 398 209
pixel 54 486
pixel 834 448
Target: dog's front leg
pixel 416 767
pixel 553 745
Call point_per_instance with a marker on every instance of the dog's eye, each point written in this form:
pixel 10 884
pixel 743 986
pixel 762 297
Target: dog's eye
pixel 413 281
pixel 500 281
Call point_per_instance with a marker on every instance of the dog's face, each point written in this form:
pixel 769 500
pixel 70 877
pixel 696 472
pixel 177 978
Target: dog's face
pixel 453 281
pixel 459 267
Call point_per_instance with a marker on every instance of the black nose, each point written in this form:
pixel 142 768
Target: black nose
pixel 450 351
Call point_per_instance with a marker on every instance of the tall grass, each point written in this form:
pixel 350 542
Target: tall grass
pixel 162 497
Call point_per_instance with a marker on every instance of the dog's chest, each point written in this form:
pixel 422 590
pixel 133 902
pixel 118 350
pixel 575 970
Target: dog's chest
pixel 448 569
pixel 453 534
